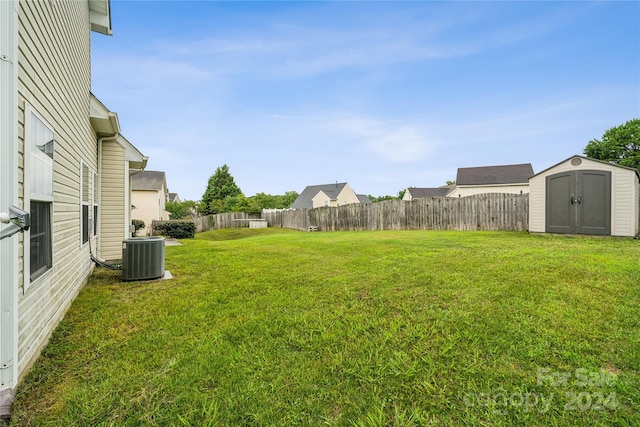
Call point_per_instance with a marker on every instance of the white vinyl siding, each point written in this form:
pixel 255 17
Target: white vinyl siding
pixel 54 79
pixel 113 210
pixel 38 196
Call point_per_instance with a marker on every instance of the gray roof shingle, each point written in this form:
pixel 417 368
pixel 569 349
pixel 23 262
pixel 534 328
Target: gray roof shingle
pixel 421 193
pixel 495 175
pixel 305 199
pixel 148 180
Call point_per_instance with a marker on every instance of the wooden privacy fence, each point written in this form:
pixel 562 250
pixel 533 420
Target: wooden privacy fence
pixel 232 219
pixel 480 212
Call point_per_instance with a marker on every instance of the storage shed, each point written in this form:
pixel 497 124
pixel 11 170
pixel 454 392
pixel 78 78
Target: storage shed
pixel 585 196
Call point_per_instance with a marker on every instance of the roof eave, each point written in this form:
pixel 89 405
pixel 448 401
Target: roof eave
pixel 135 158
pixel 100 16
pixel 103 121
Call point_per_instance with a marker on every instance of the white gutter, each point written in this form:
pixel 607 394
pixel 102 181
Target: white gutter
pixel 8 197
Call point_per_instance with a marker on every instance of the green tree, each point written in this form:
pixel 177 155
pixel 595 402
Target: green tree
pixel 268 201
pixel 177 210
pixel 220 186
pixel 620 145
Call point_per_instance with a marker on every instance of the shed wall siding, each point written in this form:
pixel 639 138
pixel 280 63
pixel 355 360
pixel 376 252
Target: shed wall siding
pixel 113 216
pixel 537 205
pixel 624 217
pixel 54 79
pixel 636 206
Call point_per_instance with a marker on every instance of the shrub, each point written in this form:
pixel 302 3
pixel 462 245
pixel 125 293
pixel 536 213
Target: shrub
pixel 175 229
pixel 138 224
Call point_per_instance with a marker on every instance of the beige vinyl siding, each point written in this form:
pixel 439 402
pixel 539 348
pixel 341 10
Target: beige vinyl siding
pixel 464 191
pixel 636 213
pixel 624 190
pixel 321 199
pixel 347 196
pixel 54 80
pixel 148 207
pixel 537 204
pixel 112 217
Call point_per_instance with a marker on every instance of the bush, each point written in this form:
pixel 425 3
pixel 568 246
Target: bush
pixel 175 229
pixel 138 224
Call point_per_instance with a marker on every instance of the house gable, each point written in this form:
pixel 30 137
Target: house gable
pixel 315 196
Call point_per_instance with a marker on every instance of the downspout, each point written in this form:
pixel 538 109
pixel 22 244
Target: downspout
pixel 8 197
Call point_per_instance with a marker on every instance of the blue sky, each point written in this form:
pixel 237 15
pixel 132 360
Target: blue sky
pixel 383 95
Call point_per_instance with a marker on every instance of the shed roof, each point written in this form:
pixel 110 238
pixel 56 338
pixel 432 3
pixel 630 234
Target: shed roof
pixel 149 180
pixel 591 159
pixel 305 199
pixel 495 175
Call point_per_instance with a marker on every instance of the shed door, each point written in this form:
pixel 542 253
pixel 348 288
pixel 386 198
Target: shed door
pixel 579 202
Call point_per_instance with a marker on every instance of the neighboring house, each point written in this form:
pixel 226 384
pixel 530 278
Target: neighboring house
pixel 338 194
pixel 421 193
pixel 117 158
pixel 585 196
pixel 173 198
pixel 149 196
pixel 512 179
pixel 59 146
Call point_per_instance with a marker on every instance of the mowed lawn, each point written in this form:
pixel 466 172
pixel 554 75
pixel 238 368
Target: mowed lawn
pixel 277 327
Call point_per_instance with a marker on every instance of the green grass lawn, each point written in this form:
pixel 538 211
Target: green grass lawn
pixel 277 327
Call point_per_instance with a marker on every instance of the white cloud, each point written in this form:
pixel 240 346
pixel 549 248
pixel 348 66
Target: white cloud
pixel 398 143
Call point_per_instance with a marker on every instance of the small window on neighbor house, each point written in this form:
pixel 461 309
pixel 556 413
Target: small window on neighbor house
pixel 39 150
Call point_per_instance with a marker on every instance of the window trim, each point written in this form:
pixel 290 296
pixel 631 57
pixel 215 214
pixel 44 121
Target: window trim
pixel 91 203
pixel 96 208
pixel 29 281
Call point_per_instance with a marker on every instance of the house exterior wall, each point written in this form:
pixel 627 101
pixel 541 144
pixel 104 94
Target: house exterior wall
pixel 321 199
pixel 149 206
pixel 54 81
pixel 472 190
pixel 114 222
pixel 625 196
pixel 347 196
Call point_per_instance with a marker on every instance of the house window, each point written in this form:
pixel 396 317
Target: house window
pixel 95 204
pixel 39 149
pixel 89 204
pixel 40 241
